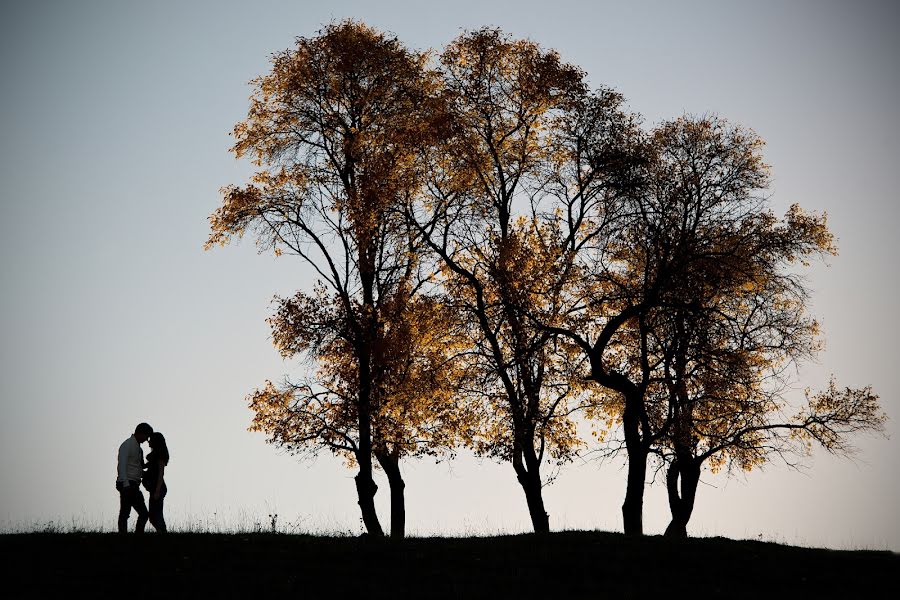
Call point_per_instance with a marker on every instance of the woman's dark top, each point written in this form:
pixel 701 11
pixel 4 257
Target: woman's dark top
pixel 151 475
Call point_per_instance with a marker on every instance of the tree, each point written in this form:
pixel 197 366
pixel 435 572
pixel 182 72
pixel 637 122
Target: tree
pixel 721 360
pixel 503 97
pixel 418 410
pixel 486 229
pixel 727 406
pixel 637 256
pixel 337 128
pixel 703 311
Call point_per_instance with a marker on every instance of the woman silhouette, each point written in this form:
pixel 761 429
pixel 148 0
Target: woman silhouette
pixel 154 479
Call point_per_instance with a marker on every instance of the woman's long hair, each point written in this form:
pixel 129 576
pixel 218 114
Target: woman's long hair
pixel 160 449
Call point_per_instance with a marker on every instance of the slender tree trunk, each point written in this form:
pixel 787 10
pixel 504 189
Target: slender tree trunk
pixel 676 526
pixel 633 506
pixel 365 483
pixel 365 490
pixel 540 520
pixel 530 480
pixel 391 465
pixel 681 505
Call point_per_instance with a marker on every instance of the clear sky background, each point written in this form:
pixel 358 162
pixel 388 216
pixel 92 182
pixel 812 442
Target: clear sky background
pixel 113 146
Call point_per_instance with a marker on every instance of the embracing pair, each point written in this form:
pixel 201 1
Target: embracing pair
pixel 132 471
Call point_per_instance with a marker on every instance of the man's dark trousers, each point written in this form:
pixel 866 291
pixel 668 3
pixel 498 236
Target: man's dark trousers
pixel 131 497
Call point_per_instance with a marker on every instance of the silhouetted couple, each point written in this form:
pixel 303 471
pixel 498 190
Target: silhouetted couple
pixel 132 471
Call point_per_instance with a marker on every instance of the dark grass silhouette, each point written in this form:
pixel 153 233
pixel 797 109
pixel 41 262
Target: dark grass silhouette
pixel 566 564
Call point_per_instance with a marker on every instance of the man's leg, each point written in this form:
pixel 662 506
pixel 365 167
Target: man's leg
pixel 124 508
pixel 141 509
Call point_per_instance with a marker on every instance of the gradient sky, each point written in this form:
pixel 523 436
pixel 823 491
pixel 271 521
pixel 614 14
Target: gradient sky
pixel 113 145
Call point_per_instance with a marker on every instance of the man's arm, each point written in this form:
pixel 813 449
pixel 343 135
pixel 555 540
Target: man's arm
pixel 124 452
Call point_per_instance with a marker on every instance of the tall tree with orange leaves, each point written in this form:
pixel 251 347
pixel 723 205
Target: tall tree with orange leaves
pixel 722 378
pixel 481 217
pixel 337 130
pixel 722 361
pixel 694 271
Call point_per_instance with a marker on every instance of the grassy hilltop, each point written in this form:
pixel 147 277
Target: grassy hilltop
pixel 566 564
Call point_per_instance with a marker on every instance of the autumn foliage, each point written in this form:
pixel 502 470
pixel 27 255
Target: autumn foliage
pixel 504 255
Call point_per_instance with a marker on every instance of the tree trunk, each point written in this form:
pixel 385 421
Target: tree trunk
pixel 365 490
pixel 633 506
pixel 391 465
pixel 681 505
pixel 365 483
pixel 540 520
pixel 530 480
pixel 364 348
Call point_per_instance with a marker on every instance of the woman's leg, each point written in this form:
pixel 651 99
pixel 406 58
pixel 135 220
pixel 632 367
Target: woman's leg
pixel 153 509
pixel 156 511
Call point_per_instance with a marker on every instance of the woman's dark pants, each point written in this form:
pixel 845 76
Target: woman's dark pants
pixel 156 510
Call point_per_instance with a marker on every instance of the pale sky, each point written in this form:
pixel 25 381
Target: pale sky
pixel 113 146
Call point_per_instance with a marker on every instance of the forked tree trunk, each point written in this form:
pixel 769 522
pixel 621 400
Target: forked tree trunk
pixel 681 504
pixel 391 465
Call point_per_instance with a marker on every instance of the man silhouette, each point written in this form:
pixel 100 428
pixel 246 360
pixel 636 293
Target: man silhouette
pixel 128 482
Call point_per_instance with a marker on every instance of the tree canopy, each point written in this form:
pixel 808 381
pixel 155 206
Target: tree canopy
pixel 338 128
pixel 502 252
